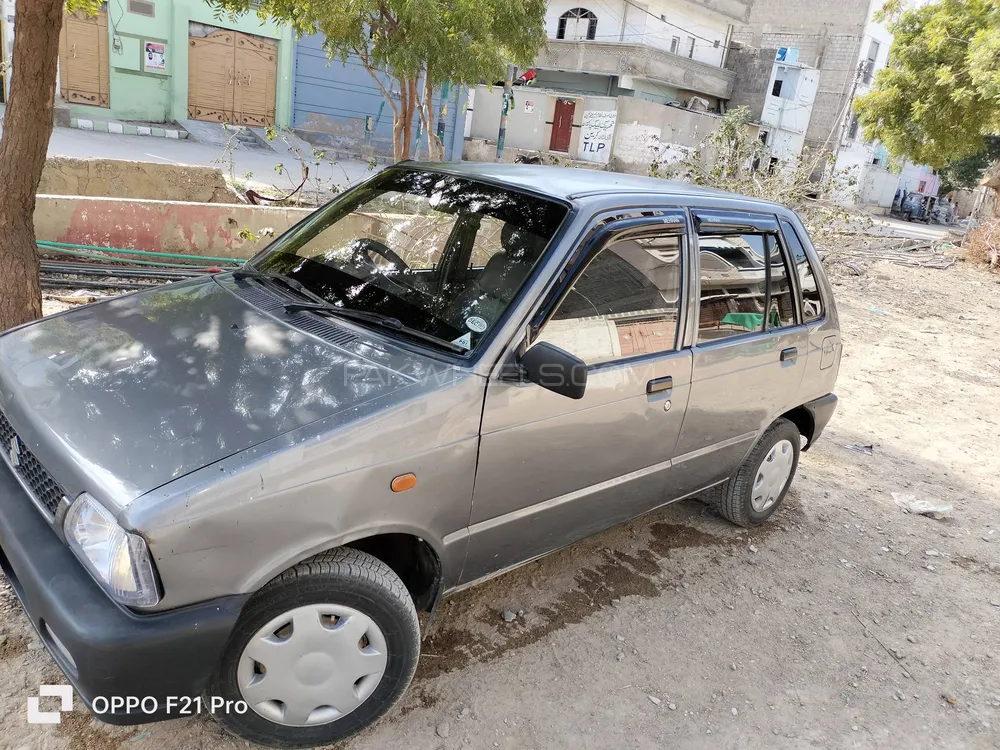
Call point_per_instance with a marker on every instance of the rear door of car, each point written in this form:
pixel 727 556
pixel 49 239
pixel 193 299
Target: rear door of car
pixel 747 365
pixel 553 469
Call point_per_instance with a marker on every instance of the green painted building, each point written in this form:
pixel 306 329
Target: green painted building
pixel 165 60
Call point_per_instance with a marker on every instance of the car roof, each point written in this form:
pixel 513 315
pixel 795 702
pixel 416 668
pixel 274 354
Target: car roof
pixel 570 183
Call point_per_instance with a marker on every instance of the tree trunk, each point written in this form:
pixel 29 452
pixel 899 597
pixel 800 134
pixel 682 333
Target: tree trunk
pixel 435 149
pixel 26 131
pixel 411 100
pixel 401 124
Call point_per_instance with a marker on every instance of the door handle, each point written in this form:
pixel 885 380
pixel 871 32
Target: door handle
pixel 790 354
pixel 658 385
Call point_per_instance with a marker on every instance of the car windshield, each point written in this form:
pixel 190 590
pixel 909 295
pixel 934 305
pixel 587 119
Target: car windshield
pixel 441 255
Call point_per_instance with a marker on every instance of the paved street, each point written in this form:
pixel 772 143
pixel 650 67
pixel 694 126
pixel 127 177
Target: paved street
pixel 258 161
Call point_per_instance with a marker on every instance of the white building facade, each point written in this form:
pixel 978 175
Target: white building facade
pixel 660 50
pixel 788 105
pixel 877 182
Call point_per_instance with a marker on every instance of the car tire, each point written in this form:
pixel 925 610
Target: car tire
pixel 760 484
pixel 327 600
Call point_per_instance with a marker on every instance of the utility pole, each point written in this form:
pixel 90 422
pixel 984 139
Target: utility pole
pixel 501 136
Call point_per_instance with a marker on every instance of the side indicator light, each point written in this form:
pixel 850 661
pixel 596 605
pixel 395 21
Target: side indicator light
pixel 404 482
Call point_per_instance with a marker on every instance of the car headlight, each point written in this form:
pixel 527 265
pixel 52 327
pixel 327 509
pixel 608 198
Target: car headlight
pixel 119 560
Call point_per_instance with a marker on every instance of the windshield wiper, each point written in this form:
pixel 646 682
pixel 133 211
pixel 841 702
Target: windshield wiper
pixel 288 281
pixel 385 321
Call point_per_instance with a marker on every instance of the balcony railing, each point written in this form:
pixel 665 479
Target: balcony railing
pixel 639 60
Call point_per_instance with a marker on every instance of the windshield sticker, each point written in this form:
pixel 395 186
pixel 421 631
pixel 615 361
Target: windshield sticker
pixel 477 324
pixel 465 340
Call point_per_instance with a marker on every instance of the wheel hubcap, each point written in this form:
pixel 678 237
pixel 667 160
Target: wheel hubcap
pixel 312 665
pixel 772 476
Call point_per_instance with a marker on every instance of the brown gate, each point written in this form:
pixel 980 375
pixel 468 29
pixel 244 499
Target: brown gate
pixel 83 59
pixel 562 125
pixel 232 78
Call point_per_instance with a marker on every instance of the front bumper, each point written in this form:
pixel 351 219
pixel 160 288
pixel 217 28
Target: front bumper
pixel 105 650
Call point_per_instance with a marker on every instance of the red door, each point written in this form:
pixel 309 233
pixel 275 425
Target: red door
pixel 562 125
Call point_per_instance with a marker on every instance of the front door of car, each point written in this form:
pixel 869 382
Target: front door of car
pixel 553 469
pixel 751 348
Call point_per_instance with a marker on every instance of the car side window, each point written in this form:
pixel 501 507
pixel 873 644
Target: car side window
pixel 782 302
pixel 624 304
pixel 733 284
pixel 812 302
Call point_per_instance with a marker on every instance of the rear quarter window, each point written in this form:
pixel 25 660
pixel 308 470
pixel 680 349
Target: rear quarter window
pixel 812 302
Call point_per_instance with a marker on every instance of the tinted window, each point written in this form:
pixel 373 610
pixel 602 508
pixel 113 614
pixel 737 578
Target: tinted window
pixel 442 255
pixel 733 278
pixel 624 304
pixel 812 303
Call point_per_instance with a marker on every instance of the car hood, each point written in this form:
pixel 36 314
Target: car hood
pixel 121 397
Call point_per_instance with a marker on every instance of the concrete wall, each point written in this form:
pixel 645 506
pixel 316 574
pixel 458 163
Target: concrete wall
pixel 161 226
pixel 128 179
pixel 754 68
pixel 162 96
pixel 529 121
pixel 623 134
pixel 647 132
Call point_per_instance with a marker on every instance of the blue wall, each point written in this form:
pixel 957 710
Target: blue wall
pixel 330 101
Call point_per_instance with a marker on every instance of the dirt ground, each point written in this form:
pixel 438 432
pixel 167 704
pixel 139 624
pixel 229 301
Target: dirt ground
pixel 845 622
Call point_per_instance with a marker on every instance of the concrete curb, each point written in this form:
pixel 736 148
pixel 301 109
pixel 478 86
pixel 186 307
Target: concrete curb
pixel 126 128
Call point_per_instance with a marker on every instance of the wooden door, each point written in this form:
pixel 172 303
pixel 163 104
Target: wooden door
pixel 83 59
pixel 562 125
pixel 256 65
pixel 212 76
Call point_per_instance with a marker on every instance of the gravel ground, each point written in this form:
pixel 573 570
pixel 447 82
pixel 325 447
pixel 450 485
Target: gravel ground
pixel 845 622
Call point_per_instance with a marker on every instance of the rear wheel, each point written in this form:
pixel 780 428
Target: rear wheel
pixel 761 482
pixel 319 653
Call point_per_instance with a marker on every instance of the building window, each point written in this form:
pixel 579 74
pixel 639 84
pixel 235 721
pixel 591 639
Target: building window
pixel 776 88
pixel 690 43
pixel 675 45
pixel 576 25
pixel 142 8
pixel 873 49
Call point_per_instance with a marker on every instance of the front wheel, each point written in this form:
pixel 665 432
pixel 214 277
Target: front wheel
pixel 761 482
pixel 319 653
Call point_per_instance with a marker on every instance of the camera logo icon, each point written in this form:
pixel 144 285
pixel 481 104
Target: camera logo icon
pixel 65 695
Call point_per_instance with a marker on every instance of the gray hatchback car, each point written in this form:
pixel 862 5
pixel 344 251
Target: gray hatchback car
pixel 235 494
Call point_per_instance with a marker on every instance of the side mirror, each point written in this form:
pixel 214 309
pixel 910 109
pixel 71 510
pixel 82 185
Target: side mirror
pixel 555 370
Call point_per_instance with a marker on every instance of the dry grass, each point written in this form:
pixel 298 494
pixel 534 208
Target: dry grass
pixel 983 244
